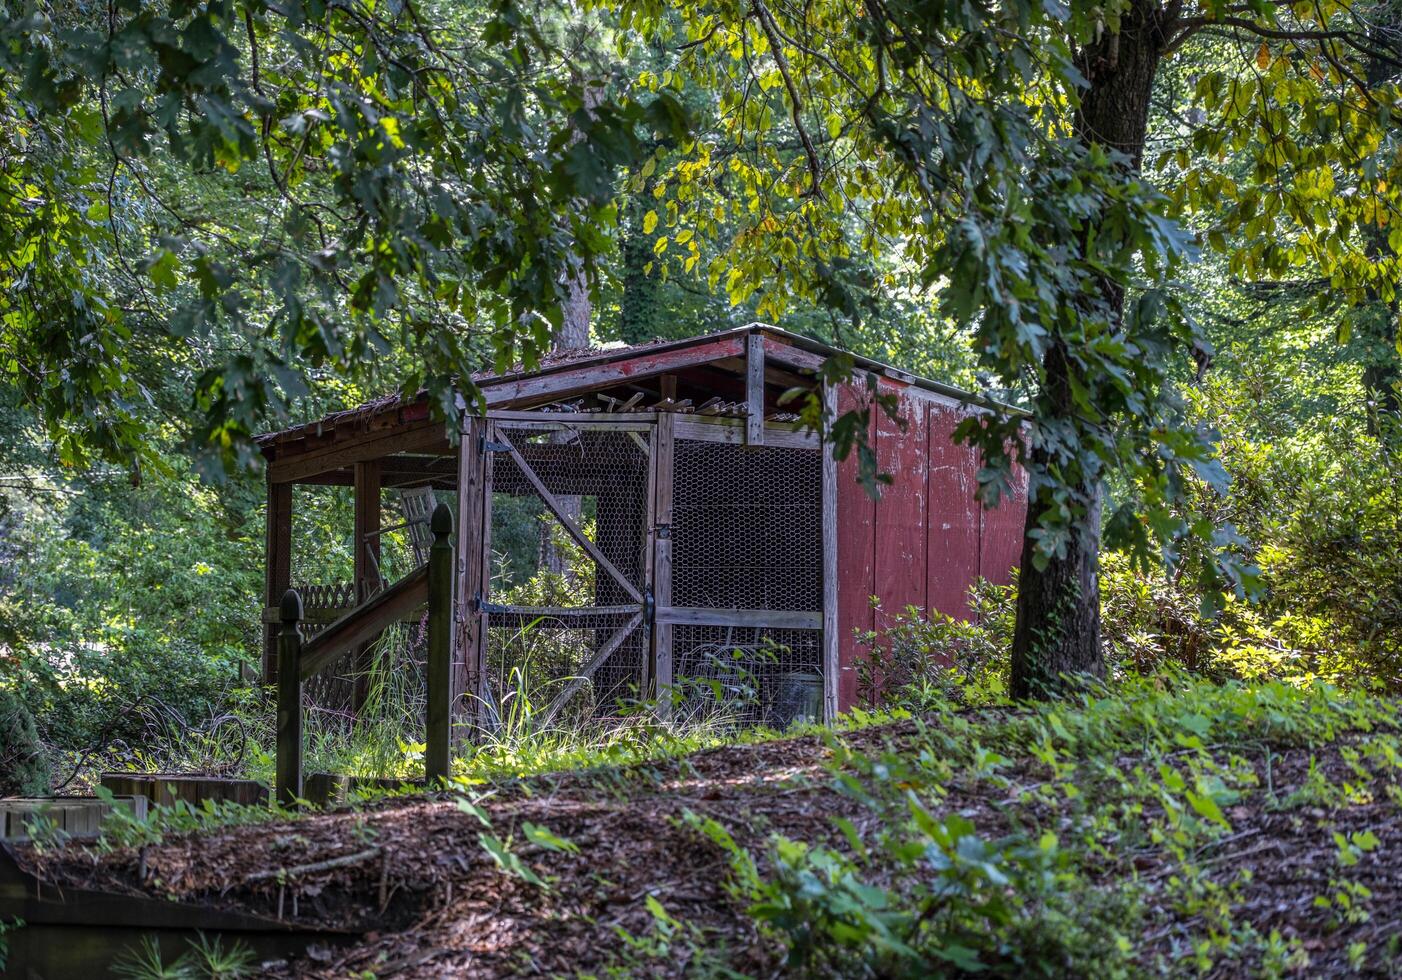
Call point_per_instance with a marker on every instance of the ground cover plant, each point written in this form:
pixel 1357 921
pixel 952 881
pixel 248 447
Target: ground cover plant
pixel 1166 827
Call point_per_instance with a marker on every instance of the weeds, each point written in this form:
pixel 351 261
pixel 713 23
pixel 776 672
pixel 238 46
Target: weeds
pixel 204 959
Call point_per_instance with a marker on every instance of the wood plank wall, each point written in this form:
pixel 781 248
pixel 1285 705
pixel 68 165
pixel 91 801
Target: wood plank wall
pixel 927 539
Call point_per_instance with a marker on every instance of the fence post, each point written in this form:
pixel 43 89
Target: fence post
pixel 289 701
pixel 437 754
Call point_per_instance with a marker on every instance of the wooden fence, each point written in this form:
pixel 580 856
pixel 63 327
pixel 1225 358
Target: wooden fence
pixel 299 659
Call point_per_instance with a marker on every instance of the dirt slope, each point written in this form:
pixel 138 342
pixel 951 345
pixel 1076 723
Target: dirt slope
pixel 431 901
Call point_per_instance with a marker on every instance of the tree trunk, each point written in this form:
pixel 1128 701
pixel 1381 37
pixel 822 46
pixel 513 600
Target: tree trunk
pixel 572 335
pixel 1058 606
pixel 637 313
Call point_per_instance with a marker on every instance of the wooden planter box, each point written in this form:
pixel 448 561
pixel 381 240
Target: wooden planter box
pixel 77 816
pixel 329 789
pixel 164 789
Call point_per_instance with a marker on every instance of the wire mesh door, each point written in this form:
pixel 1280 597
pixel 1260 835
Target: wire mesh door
pixel 743 610
pixel 567 583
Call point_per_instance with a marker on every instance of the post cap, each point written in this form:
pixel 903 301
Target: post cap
pixel 291 606
pixel 441 523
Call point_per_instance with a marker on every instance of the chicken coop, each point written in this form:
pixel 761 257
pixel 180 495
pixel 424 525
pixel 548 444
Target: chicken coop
pixel 648 522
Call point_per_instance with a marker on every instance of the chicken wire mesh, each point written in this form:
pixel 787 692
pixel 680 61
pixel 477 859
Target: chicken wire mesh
pixel 747 527
pixel 747 534
pixel 749 675
pixel 599 478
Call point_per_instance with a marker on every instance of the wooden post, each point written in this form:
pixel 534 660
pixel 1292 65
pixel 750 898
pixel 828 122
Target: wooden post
pixel 437 749
pixel 831 664
pixel 664 444
pixel 367 566
pixel 754 389
pixel 278 567
pixel 289 701
pixel 473 491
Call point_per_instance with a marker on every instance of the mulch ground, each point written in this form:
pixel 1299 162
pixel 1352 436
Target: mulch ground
pixel 413 878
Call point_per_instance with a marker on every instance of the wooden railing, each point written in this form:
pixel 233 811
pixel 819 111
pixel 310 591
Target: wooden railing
pixel 299 659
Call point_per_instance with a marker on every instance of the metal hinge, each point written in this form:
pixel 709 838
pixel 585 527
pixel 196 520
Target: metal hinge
pixel 485 445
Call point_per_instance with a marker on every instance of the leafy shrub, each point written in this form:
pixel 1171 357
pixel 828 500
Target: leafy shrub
pixel 919 660
pixel 23 768
pixel 931 897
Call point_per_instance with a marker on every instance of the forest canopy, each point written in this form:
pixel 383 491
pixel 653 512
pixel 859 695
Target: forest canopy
pixel 1165 232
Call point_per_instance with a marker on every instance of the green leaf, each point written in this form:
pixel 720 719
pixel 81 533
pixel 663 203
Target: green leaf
pixel 542 837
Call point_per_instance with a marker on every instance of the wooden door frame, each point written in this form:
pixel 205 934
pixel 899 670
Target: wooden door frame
pixel 475 487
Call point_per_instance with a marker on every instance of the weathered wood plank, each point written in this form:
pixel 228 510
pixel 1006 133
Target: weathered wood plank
pixel 484 559
pixel 781 352
pixel 636 421
pixel 856 556
pixel 779 619
pixel 714 428
pixel 663 467
pixel 587 375
pixel 901 451
pixel 467 654
pixel 577 616
pixel 954 516
pixel 754 389
pixel 1001 537
pixel 277 567
pixel 364 621
pixel 830 581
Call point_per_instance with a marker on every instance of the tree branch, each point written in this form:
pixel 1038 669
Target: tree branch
pixel 771 31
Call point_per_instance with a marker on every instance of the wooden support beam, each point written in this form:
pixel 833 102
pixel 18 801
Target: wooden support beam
pixel 831 664
pixel 562 515
pixel 367 568
pixel 754 389
pixel 467 652
pixel 364 621
pixel 277 568
pixel 288 776
pixel 578 617
pixel 603 372
pixel 587 671
pixel 439 718
pixel 663 464
pixel 718 428
pixel 416 437
pixel 776 619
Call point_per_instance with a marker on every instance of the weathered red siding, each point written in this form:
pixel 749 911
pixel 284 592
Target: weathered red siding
pixel 856 560
pixel 927 539
pixel 954 517
pixel 1001 549
pixel 901 452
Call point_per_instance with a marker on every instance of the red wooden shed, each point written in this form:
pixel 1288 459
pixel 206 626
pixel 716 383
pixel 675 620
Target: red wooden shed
pixel 651 519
